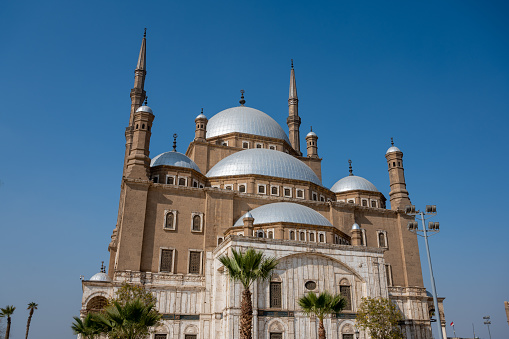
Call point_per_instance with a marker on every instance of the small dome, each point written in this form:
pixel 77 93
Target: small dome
pixel 247 215
pixel 311 134
pixel 392 149
pixel 100 277
pixel 201 116
pixel 264 162
pixel 286 212
pixel 144 109
pixel 353 183
pixel 174 159
pixel 355 226
pixel 245 120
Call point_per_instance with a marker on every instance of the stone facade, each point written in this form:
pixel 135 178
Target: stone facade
pixel 174 222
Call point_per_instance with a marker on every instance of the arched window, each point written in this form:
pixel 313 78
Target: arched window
pixel 311 237
pixel 242 188
pixel 381 240
pixel 170 218
pixel 270 235
pixel 302 236
pixel 346 292
pixel 292 235
pixel 259 234
pixel 182 181
pixel 273 190
pixel 321 237
pixel 197 223
pixel 96 304
pixel 219 241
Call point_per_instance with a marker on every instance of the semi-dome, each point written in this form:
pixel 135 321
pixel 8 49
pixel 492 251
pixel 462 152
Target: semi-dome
pixel 285 212
pixel 101 276
pixel 392 149
pixel 353 183
pixel 174 158
pixel 263 161
pixel 247 120
pixel 144 109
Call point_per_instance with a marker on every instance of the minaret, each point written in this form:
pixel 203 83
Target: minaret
pixel 398 194
pixel 312 146
pixel 200 133
pixel 138 162
pixel 293 119
pixel 138 94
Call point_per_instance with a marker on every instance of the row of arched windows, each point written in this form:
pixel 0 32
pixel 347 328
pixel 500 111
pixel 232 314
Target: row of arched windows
pixel 170 221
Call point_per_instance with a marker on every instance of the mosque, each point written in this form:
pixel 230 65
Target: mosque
pixel 245 183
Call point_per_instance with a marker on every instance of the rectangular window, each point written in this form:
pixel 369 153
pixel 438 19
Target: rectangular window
pixel 166 261
pixel 170 180
pixel 194 262
pixel 388 273
pixel 159 336
pixel 245 144
pixel 276 336
pixel 258 145
pixel 288 192
pixel 261 189
pixel 373 203
pixel 364 203
pixel 274 190
pixel 190 336
pixel 346 293
pixel 300 194
pixel 195 183
pixel 155 179
pixel 347 336
pixel 275 295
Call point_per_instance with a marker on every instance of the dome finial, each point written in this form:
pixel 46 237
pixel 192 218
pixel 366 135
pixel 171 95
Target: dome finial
pixel 311 127
pixel 242 101
pixel 175 135
pixel 292 63
pixel 350 167
pixel 103 268
pixel 202 110
pixel 146 100
pixel 392 141
pixel 145 33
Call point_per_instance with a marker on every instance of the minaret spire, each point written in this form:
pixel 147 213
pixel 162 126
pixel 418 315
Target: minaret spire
pixel 142 58
pixel 138 91
pixel 293 119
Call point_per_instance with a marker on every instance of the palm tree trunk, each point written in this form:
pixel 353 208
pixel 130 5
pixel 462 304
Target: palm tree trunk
pixel 8 330
pixel 321 330
pixel 246 315
pixel 28 321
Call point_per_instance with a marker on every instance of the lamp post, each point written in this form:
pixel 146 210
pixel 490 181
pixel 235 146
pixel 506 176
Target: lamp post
pixel 433 228
pixel 356 334
pixel 487 322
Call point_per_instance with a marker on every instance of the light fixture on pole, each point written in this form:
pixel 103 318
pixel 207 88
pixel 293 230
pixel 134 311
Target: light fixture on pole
pixel 487 322
pixel 433 228
pixel 356 334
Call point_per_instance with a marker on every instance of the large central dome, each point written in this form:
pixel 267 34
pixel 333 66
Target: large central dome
pixel 264 162
pixel 247 120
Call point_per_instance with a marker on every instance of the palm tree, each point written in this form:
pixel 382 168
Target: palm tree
pixel 7 312
pixel 247 268
pixel 32 307
pixel 89 328
pixel 130 321
pixel 321 305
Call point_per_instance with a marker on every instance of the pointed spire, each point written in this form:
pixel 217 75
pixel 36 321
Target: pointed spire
pixel 242 101
pixel 293 85
pixel 175 142
pixel 142 59
pixel 350 167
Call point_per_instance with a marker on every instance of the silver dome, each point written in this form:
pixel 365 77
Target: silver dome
pixel 144 109
pixel 201 116
pixel 174 159
pixel 392 149
pixel 311 134
pixel 355 226
pixel 286 212
pixel 264 162
pixel 244 120
pixel 100 277
pixel 353 183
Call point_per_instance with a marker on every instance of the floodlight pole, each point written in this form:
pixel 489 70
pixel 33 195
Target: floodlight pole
pixel 433 288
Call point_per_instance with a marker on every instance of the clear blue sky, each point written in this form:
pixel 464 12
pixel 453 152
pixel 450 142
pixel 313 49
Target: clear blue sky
pixel 433 74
